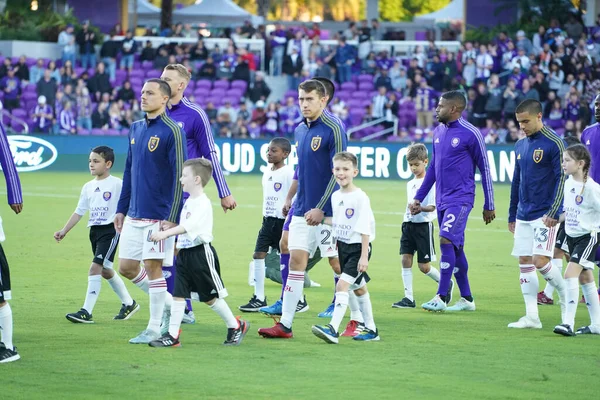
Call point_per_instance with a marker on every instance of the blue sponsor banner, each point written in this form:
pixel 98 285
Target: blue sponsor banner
pixel 377 160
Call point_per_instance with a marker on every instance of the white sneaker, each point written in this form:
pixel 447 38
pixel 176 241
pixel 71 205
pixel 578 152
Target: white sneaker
pixel 188 318
pixel 314 284
pixel 526 322
pixel 436 304
pixel 462 305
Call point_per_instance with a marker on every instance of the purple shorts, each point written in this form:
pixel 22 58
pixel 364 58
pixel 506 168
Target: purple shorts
pixel 288 219
pixel 453 223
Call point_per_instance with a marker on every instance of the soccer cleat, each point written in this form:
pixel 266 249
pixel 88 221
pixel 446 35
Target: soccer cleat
pixel 404 303
pixel 302 305
pixel 145 337
pixel 235 335
pixel 436 304
pixel 314 284
pixel 7 355
pixel 278 331
pixel 448 297
pixel 526 323
pixel 462 305
pixel 367 335
pixel 588 330
pixel 328 313
pixel 80 317
pixel 273 309
pixel 127 312
pixel 542 299
pixel 165 341
pixel 189 318
pixel 353 328
pixel 254 305
pixel 564 329
pixel 326 332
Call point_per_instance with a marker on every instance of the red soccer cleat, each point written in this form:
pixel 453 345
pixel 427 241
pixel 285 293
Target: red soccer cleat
pixel 542 299
pixel 277 332
pixel 353 328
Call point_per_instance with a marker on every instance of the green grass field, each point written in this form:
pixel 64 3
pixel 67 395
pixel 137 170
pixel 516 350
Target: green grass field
pixel 421 355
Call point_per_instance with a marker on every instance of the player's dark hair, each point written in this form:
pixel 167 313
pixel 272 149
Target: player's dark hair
pixel 530 106
pixel 107 153
pixel 283 144
pixel 571 140
pixel 579 152
pixel 416 151
pixel 201 167
pixel 163 86
pixel 329 87
pixel 313 85
pixel 457 97
pixel 346 156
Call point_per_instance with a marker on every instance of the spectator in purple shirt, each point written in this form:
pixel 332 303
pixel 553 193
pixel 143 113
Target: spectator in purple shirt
pixel 66 120
pixel 11 86
pixel 42 116
pixel 572 109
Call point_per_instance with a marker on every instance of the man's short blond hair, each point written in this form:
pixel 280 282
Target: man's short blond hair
pixel 181 70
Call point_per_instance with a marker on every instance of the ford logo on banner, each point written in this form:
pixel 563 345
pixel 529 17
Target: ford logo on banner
pixel 31 153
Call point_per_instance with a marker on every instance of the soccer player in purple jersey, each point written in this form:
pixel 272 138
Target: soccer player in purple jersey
pixel 8 352
pixel 457 148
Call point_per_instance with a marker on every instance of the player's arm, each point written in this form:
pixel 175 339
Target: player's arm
pixel 363 226
pixel 82 207
pixel 125 197
pixel 13 183
pixel 363 261
pixel 162 235
pixel 514 196
pixel 177 154
pixel 479 154
pixel 559 185
pixel 425 188
pixel 291 193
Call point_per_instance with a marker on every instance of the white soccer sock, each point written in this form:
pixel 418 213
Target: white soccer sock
pixel 407 280
pixel 141 280
pixel 341 304
pixel 549 289
pixel 364 302
pixel 434 274
pixel 118 286
pixel 590 292
pixel 168 300
pixel 157 290
pixel 355 314
pixel 291 296
pixel 93 291
pixel 259 279
pixel 6 326
pixel 220 307
pixel 571 301
pixel 553 277
pixel 529 288
pixel 177 311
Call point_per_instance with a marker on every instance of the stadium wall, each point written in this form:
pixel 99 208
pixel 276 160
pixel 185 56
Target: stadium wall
pixel 376 160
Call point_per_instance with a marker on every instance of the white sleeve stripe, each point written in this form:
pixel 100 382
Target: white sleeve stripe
pixel 481 143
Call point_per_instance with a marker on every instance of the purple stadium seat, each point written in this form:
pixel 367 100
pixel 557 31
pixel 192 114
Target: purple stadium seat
pixel 124 132
pixel 32 87
pixel 113 132
pixel 221 84
pixel 121 74
pixel 239 84
pixel 360 95
pixel 153 73
pixel 19 113
pixel 83 132
pixel 324 35
pixel 98 132
pixel 30 61
pixel 560 131
pixel 147 64
pixel 29 104
pixel 291 93
pixel 137 65
pixel 91 71
pixel 365 78
pixel 137 73
pixel 233 100
pixel 348 86
pixel 217 92
pixel 366 86
pixel 16 125
pixel 201 91
pixel 235 92
pixel 136 81
pixel 29 96
pixel 366 102
pixel 78 71
pixel 204 83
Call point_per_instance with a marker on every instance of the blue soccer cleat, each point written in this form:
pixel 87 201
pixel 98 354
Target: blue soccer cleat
pixel 273 309
pixel 326 332
pixel 328 313
pixel 437 304
pixel 367 336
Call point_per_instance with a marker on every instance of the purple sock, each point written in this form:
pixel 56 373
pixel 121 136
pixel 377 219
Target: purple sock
pixel 188 304
pixel 447 262
pixel 169 274
pixel 285 269
pixel 336 278
pixel 462 280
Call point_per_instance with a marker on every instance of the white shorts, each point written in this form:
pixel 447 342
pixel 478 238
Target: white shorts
pixel 534 238
pixel 135 243
pixel 308 238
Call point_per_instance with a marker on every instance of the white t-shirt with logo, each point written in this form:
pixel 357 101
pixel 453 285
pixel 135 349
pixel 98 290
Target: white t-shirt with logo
pixel 276 185
pixel 412 187
pixel 582 210
pixel 197 220
pixel 100 198
pixel 352 216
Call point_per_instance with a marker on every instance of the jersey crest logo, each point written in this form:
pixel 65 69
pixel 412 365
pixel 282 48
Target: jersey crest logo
pixel 106 196
pixel 455 142
pixel 153 143
pixel 538 155
pixel 315 143
pixel 578 199
pixel 349 212
pixel 277 186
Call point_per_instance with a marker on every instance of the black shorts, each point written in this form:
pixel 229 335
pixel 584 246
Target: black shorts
pixel 4 277
pixel 418 237
pixel 561 238
pixel 198 271
pixel 104 241
pixel 349 254
pixel 583 250
pixel 269 234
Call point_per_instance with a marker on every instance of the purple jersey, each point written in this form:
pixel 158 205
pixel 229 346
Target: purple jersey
pixel 11 87
pixel 13 184
pixel 42 123
pixel 67 120
pixel 572 112
pixel 426 99
pixel 458 148
pixel 591 139
pixel 200 143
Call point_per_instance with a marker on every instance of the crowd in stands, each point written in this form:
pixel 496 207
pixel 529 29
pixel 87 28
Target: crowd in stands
pixel 87 92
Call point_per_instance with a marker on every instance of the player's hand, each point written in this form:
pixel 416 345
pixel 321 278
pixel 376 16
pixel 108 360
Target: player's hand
pixel 363 264
pixel 60 235
pixel 119 218
pixel 164 225
pixel 549 222
pixel 511 227
pixel 158 236
pixel 228 203
pixel 17 208
pixel 314 217
pixel 489 215
pixel 287 206
pixel 415 207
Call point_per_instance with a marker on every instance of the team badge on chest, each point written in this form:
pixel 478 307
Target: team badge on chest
pixel 106 196
pixel 578 199
pixel 315 143
pixel 538 155
pixel 277 186
pixel 455 142
pixel 349 212
pixel 153 143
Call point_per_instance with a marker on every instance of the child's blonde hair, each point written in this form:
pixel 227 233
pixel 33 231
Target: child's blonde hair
pixel 416 151
pixel 201 167
pixel 346 156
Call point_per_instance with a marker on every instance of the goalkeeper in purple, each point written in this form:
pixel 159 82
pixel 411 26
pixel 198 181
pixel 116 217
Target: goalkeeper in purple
pixel 458 147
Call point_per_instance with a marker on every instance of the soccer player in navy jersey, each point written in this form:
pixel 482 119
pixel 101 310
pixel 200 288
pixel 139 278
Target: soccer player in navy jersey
pixel 457 148
pixel 319 139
